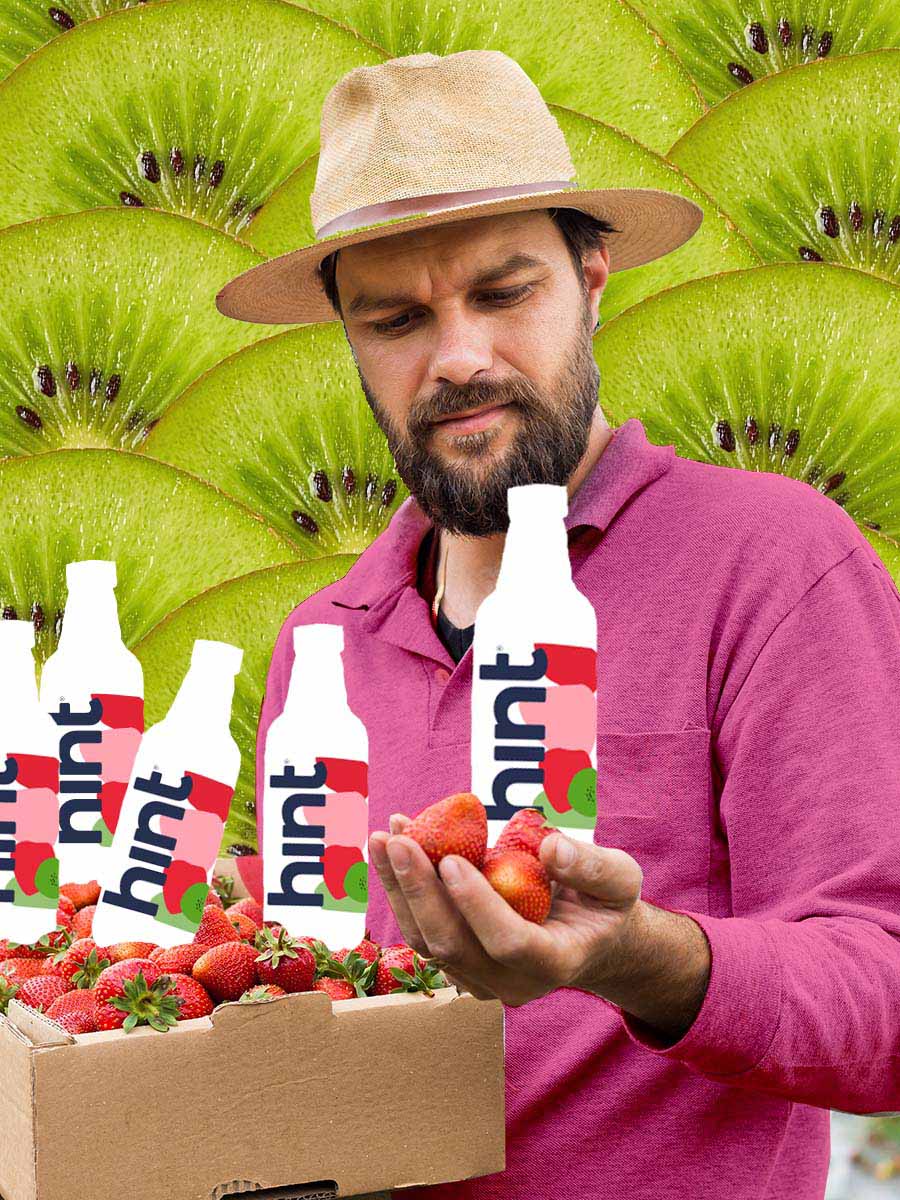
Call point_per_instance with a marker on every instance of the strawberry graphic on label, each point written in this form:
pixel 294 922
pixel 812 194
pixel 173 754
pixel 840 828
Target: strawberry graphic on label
pixel 208 795
pixel 337 861
pixel 560 767
pixel 37 771
pixel 570 664
pixel 36 869
pixel 346 775
pixel 179 895
pixel 121 712
pixel 112 793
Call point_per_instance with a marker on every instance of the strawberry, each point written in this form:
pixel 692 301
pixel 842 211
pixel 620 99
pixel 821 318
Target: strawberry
pixel 65 905
pixel 522 882
pixel 49 965
pixel 64 916
pixel 82 962
pixel 196 1000
pixel 222 888
pixel 337 989
pixel 112 979
pixel 10 949
pixel 215 928
pixel 262 991
pixel 525 830
pixel 81 894
pixel 138 1001
pixel 214 898
pixel 320 951
pixel 401 969
pixel 8 989
pixel 83 921
pixel 77 1022
pixel 368 949
pixel 454 825
pixel 41 990
pixel 119 951
pixel 250 908
pixel 177 960
pixel 227 970
pixel 20 969
pixel 246 927
pixel 284 960
pixel 82 1001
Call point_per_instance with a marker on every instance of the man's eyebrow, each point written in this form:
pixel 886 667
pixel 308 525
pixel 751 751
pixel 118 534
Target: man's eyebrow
pixel 516 262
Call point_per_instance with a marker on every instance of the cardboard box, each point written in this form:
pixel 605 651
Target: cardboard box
pixel 296 1097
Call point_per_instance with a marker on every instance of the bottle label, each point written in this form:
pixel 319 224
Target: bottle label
pixel 29 825
pixel 541 708
pixel 163 855
pixel 97 748
pixel 315 830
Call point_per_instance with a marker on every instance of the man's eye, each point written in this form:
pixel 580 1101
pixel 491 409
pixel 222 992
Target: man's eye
pixel 502 298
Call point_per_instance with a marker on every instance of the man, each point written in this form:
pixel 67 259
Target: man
pixel 721 966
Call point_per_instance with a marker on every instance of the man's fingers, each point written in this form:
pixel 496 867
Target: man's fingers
pixel 412 935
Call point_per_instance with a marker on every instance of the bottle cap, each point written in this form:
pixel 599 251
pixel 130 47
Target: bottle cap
pixel 542 500
pixel 91 573
pixel 219 655
pixel 318 639
pixel 18 634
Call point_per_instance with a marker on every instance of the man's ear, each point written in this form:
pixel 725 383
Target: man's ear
pixel 595 266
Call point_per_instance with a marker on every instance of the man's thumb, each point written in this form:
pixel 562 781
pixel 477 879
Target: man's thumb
pixel 599 871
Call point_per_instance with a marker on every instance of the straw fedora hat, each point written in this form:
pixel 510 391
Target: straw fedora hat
pixel 427 139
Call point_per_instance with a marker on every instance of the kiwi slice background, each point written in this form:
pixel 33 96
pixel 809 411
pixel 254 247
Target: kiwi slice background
pixel 170 535
pixel 807 163
pixel 248 612
pixel 107 316
pixel 287 430
pixel 601 58
pixel 789 368
pixel 727 44
pixel 189 106
pixel 27 24
pixel 603 157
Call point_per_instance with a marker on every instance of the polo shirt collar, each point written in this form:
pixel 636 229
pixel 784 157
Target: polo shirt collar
pixel 390 564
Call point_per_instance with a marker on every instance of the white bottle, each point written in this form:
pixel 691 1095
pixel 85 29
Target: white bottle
pixel 160 865
pixel 93 688
pixel 534 676
pixel 29 801
pixel 314 817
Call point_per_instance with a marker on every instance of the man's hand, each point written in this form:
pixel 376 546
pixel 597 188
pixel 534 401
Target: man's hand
pixel 600 936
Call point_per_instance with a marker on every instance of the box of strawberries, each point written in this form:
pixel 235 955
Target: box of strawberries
pixel 244 1061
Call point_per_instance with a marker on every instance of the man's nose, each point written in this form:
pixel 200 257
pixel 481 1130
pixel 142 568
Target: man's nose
pixel 461 348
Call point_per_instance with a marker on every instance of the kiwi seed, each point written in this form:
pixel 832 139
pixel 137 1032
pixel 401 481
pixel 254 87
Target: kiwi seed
pixel 62 18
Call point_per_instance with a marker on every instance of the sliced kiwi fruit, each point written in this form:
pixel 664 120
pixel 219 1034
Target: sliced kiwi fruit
pixel 170 536
pixel 600 58
pixel 107 316
pixel 247 612
pixel 288 432
pixel 603 157
pixel 727 44
pixel 787 368
pixel 194 107
pixel 807 163
pixel 26 25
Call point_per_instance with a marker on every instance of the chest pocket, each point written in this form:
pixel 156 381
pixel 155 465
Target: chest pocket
pixel 654 800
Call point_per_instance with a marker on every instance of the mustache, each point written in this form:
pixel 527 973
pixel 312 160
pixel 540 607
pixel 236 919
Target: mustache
pixel 455 400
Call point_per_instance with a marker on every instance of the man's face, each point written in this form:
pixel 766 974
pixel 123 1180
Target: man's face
pixel 517 347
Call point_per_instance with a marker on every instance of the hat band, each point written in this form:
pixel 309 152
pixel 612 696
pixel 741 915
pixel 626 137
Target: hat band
pixel 435 202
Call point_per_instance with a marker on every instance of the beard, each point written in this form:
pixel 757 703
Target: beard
pixel 548 442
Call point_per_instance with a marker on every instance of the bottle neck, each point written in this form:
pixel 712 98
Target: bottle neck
pixel 90 618
pixel 536 549
pixel 19 690
pixel 204 699
pixel 317 686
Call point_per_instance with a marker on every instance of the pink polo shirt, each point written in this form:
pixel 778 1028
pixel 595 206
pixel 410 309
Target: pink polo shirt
pixel 748 742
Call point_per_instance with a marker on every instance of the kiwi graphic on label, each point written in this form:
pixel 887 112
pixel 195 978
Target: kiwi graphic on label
pixel 247 612
pixel 170 535
pixel 296 440
pixel 788 368
pixel 807 163
pixel 194 107
pixel 726 44
pixel 601 59
pixel 603 157
pixel 107 316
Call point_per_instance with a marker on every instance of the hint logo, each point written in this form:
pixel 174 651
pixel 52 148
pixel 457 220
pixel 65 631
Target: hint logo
pixel 305 844
pixel 79 782
pixel 149 847
pixel 8 775
pixel 529 738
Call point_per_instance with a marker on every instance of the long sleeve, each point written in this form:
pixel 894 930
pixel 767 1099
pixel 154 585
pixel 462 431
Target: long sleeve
pixel 803 1000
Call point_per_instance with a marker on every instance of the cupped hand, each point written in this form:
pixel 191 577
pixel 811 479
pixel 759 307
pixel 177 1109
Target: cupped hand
pixel 483 945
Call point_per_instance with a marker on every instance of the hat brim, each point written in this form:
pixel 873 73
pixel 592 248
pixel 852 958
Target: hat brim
pixel 287 289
